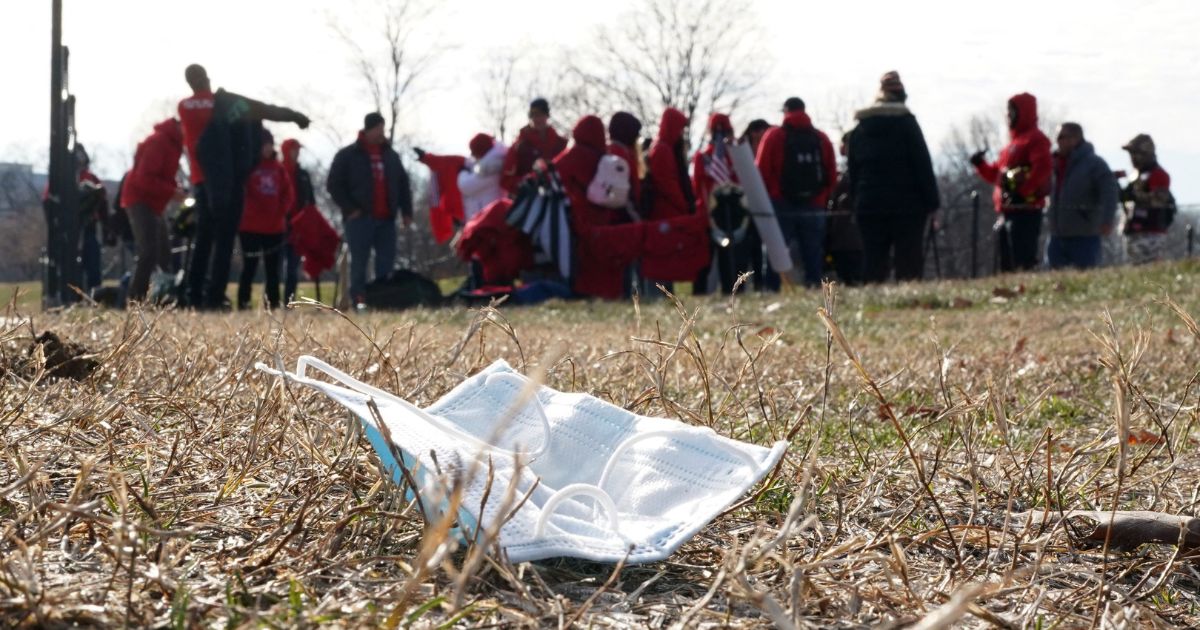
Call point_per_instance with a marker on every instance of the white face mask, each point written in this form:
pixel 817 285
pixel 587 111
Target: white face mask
pixel 601 481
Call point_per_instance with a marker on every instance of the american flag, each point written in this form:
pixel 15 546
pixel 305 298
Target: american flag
pixel 717 165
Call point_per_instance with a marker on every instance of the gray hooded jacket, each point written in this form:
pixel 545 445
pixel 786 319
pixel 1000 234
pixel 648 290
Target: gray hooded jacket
pixel 1086 197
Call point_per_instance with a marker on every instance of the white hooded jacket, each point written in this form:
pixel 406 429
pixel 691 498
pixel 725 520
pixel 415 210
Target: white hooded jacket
pixel 480 183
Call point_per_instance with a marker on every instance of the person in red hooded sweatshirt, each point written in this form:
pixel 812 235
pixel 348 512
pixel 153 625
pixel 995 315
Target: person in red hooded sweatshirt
pixel 536 141
pixel 1021 176
pixel 676 244
pixel 302 197
pixel 800 171
pixel 603 249
pixel 269 198
pixel 148 187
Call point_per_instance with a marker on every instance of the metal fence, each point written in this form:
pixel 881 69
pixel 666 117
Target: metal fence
pixel 966 241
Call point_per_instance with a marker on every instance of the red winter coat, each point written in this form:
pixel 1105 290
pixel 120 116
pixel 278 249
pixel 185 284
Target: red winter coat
pixel 269 197
pixel 602 250
pixel 577 166
pixel 770 158
pixel 530 146
pixel 194 114
pixel 502 251
pixel 1029 149
pixel 675 249
pixel 670 198
pixel 445 169
pixel 702 181
pixel 151 182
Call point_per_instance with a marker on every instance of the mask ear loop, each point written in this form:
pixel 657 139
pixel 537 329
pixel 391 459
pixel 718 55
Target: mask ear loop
pixel 357 386
pixel 574 489
pixel 668 433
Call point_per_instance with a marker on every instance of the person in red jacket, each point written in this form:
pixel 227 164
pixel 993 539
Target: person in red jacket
pixel 149 186
pixel 676 244
pixel 1153 206
pixel 302 197
pixel 667 165
pixel 536 141
pixel 800 171
pixel 269 198
pixel 1021 177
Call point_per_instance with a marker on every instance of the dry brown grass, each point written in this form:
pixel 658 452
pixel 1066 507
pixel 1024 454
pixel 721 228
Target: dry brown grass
pixel 179 487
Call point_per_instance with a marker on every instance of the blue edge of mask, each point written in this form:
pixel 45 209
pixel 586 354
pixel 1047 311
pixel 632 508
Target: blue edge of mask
pixel 467 524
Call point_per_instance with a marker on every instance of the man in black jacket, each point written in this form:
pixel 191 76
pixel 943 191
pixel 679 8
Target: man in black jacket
pixel 895 190
pixel 369 184
pixel 1083 202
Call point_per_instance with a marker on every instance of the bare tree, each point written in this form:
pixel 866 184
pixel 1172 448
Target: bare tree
pixel 692 55
pixel 498 84
pixel 385 52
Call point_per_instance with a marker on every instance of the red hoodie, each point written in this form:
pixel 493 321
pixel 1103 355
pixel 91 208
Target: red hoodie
pixel 530 146
pixel 151 182
pixel 269 196
pixel 1028 149
pixel 445 169
pixel 703 182
pixel 770 157
pixel 577 166
pixel 194 113
pixel 670 199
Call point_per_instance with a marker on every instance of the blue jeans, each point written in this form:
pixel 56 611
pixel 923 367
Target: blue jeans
pixel 806 225
pixel 364 234
pixel 291 272
pixel 1079 252
pixel 90 254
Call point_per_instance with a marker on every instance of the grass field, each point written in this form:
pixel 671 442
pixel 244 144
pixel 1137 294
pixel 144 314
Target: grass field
pixel 178 487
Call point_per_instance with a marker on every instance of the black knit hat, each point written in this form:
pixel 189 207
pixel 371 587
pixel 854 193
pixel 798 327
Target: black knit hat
pixel 793 104
pixel 372 120
pixel 624 127
pixel 539 104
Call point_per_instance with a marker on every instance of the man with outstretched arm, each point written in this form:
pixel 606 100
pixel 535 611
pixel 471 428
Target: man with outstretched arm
pixel 222 136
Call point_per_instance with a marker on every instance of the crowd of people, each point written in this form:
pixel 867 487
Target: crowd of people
pixel 611 213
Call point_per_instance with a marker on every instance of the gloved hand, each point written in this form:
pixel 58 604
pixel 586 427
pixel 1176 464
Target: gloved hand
pixel 978 158
pixel 419 151
pixel 302 121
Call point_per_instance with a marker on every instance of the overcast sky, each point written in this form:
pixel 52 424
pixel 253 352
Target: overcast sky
pixel 1119 68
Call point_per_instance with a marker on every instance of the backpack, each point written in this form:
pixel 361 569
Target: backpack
pixel 403 289
pixel 803 171
pixel 610 185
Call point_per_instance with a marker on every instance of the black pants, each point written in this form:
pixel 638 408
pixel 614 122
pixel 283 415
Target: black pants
pixel 738 258
pixel 268 247
pixel 216 227
pixel 893 241
pixel 1018 241
pixel 849 266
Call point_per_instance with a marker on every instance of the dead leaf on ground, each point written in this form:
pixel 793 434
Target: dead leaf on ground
pixel 1142 436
